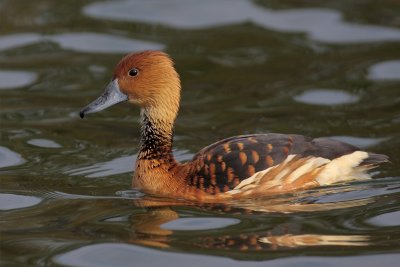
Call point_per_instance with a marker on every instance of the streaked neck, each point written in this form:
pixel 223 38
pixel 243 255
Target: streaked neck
pixel 156 135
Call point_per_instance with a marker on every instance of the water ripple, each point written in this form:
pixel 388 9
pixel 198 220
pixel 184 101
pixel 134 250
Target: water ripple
pixel 324 25
pixel 102 43
pixel 86 42
pixel 113 254
pixel 124 164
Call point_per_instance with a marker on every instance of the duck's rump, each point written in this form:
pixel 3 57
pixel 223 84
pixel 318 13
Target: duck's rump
pixel 222 166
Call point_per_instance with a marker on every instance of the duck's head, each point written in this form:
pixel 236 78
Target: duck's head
pixel 147 79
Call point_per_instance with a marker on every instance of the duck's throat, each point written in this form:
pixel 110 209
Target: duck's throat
pixel 156 138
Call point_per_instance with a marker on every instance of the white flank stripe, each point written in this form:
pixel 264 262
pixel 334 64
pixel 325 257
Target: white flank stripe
pixel 344 168
pixel 255 178
pixel 310 165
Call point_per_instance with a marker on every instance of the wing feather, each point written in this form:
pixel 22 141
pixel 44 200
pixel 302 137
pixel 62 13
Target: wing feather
pixel 221 166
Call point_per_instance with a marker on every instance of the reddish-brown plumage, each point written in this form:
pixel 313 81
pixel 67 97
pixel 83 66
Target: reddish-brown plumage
pixel 220 167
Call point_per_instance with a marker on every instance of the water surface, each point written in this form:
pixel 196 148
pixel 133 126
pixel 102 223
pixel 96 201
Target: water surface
pixel 320 68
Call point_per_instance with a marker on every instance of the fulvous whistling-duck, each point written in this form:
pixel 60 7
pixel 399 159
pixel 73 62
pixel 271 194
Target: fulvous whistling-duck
pixel 233 168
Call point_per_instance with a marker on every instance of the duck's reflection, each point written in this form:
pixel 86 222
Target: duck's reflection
pixel 149 228
pixel 289 240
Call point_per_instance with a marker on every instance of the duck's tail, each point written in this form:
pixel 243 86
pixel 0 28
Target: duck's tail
pixel 349 167
pixel 374 160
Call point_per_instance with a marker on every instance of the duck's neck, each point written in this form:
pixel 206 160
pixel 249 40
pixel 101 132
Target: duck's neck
pixel 157 172
pixel 156 136
pixel 158 116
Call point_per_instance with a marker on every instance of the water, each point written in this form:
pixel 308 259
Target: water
pixel 317 68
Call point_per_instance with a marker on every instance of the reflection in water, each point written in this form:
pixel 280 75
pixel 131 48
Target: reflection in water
pixel 14 79
pixel 82 42
pixel 149 229
pixel 159 221
pixel 13 201
pixel 45 143
pixel 326 97
pixel 122 255
pixel 133 194
pixel 9 158
pixel 187 14
pixel 283 206
pixel 323 25
pixel 101 43
pixel 18 40
pixel 245 235
pixel 386 219
pixel 316 240
pixel 199 223
pixel 122 164
pixel 383 71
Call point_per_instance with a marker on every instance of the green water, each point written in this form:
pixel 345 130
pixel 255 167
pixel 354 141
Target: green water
pixel 317 68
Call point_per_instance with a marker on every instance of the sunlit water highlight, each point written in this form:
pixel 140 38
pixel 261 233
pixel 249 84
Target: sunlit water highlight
pixel 9 158
pixel 45 143
pixel 13 201
pixel 385 71
pixel 326 97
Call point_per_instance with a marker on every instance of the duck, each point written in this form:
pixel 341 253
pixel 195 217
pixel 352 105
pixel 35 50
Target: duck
pixel 239 167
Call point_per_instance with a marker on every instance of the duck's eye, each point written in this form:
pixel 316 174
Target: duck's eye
pixel 133 72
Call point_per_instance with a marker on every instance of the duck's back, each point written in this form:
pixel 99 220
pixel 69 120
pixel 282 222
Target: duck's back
pixel 222 166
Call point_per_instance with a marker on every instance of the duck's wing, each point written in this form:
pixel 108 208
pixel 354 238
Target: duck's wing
pixel 222 166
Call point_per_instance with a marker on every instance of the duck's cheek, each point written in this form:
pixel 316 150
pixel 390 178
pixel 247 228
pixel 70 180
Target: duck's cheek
pixel 111 96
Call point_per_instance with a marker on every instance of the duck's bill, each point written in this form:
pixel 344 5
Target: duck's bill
pixel 111 96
